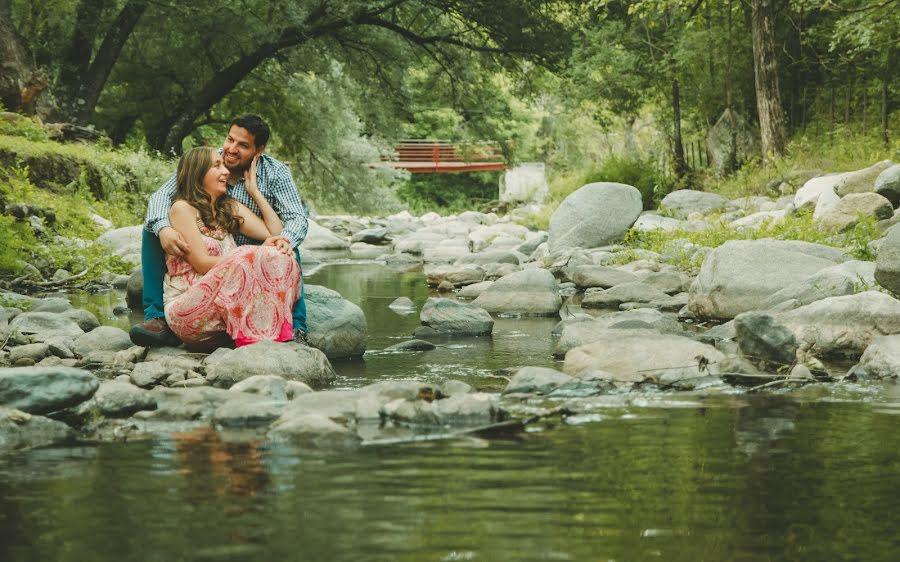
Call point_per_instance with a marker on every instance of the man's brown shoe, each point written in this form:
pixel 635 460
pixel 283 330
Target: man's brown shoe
pixel 153 333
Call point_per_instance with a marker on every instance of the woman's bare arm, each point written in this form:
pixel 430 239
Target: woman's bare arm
pixel 183 218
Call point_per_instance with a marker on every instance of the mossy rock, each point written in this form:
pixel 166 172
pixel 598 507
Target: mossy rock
pixel 55 172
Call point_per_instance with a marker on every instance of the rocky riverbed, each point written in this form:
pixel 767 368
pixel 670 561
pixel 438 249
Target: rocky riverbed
pixel 785 314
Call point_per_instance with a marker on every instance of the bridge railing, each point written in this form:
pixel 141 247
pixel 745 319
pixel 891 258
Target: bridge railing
pixel 433 155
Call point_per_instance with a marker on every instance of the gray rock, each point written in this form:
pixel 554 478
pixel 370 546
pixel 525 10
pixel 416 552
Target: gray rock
pixel 411 345
pixel 467 409
pixel 336 326
pixel 595 215
pixel 860 181
pixel 669 282
pixel 34 351
pixel 134 290
pixel 377 236
pixel 531 244
pixel 586 383
pixel 635 292
pixel 580 333
pixel 20 430
pixel 85 320
pixel 651 221
pixel 287 360
pixel 740 275
pixel 730 142
pixel 539 380
pixel 320 238
pixel 532 292
pixel 403 305
pixel 887 184
pixel 45 325
pixel 104 338
pixel 449 317
pixel 123 242
pixel 269 386
pixel 152 373
pixel 881 359
pixel 887 264
pixel 843 326
pixel 683 202
pixel 56 305
pixel 633 356
pixel 474 290
pixel 249 411
pixel 587 276
pixel 187 404
pixel 314 432
pixel 40 390
pixel 116 399
pixel 496 256
pixel 456 275
pixel 296 388
pixel 762 338
pixel 846 213
pixel 839 280
pixel 410 412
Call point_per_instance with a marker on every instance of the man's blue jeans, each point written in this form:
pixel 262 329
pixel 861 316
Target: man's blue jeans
pixel 153 262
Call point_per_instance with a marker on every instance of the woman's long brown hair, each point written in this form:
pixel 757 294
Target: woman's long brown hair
pixel 189 186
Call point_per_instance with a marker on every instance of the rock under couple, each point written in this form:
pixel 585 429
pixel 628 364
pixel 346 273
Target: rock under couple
pixel 219 249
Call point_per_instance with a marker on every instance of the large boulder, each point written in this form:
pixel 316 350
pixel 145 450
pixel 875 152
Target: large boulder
pixel 861 181
pixel 843 279
pixel 320 238
pixel 887 264
pixel 633 356
pixel 289 361
pixel 887 184
pixel 40 390
pixel 530 292
pixel 730 142
pixel 21 430
pixel 336 326
pixel 587 276
pixel 740 275
pixel 449 317
pixel 595 215
pixel 116 399
pixel 45 325
pixel 846 213
pixel 684 202
pixel 880 360
pixel 104 338
pixel 124 242
pixel 843 326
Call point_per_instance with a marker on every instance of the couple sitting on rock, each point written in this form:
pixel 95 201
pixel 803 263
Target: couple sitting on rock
pixel 207 279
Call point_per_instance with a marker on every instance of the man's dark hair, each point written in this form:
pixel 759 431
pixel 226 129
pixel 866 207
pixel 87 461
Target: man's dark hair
pixel 255 126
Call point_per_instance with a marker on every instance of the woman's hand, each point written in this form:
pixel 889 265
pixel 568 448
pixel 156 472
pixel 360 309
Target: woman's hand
pixel 250 178
pixel 280 243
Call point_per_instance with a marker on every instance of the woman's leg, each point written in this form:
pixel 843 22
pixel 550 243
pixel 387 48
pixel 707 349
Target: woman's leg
pixel 248 294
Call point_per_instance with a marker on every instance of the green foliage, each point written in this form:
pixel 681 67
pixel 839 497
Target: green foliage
pixel 21 126
pixel 840 151
pixel 451 193
pixel 17 238
pixel 796 227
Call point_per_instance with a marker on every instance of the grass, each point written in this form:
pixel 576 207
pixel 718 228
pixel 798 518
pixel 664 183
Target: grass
pixel 127 178
pixel 680 245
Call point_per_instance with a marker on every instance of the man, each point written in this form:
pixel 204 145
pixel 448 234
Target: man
pixel 246 138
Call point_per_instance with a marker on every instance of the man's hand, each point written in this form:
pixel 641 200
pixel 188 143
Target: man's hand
pixel 173 243
pixel 280 243
pixel 250 178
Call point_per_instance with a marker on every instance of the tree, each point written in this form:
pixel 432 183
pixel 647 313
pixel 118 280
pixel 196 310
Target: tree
pixel 768 92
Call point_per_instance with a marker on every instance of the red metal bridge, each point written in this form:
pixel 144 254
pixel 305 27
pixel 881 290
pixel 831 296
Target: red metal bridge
pixel 427 156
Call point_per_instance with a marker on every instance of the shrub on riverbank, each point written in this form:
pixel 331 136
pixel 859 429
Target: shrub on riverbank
pixel 65 186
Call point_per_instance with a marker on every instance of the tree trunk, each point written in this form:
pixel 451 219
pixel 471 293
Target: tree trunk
pixel 83 77
pixel 680 165
pixel 885 100
pixel 765 65
pixel 22 86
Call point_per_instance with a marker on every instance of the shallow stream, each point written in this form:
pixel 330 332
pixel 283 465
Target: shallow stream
pixel 810 475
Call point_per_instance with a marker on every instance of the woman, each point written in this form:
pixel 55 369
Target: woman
pixel 245 292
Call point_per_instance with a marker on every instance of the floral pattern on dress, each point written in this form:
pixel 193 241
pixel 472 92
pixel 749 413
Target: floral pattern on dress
pixel 248 294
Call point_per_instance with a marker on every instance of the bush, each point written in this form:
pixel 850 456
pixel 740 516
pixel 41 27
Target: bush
pixel 451 193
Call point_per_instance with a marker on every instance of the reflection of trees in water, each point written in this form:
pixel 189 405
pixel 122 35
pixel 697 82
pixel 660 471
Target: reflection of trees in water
pixel 759 427
pixel 220 467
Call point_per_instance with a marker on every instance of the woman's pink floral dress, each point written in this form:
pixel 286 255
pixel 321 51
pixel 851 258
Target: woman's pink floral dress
pixel 248 294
